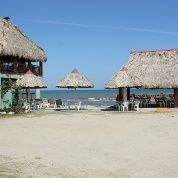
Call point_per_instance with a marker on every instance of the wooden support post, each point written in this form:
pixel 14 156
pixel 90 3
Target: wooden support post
pixel 128 94
pixel 29 64
pixel 120 95
pixel 41 68
pixel 0 64
pixel 15 65
pixel 124 94
pixel 176 97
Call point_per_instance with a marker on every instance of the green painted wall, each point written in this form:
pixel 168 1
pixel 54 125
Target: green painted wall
pixel 38 94
pixel 6 101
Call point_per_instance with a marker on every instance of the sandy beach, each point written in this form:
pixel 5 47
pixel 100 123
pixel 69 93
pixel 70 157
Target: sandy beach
pixel 89 144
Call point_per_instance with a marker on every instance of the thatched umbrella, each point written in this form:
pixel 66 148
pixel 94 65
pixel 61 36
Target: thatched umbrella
pixel 74 80
pixel 30 81
pixel 121 79
pixel 13 42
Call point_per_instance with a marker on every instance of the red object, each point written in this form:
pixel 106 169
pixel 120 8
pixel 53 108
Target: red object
pixel 29 72
pixel 124 69
pixel 75 71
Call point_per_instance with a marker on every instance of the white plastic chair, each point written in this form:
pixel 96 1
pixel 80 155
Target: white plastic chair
pixel 45 103
pixel 118 106
pixel 125 106
pixel 136 105
pixel 26 106
pixel 78 105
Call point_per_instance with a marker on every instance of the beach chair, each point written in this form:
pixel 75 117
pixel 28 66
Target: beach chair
pixel 84 106
pixel 37 104
pixel 118 105
pixel 136 105
pixel 52 103
pixel 145 102
pixel 78 105
pixel 26 106
pixel 60 104
pixel 125 106
pixel 45 103
pixel 161 102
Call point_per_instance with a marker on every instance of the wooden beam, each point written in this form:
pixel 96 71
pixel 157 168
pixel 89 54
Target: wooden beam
pixel 29 64
pixel 15 64
pixel 0 64
pixel 176 97
pixel 120 95
pixel 41 68
pixel 124 91
pixel 128 94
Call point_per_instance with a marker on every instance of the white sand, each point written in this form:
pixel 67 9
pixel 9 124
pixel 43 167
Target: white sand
pixel 90 144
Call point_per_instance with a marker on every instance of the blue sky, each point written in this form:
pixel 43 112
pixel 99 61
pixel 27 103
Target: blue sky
pixel 94 36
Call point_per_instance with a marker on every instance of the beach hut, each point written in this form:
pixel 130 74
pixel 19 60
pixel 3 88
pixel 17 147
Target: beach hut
pixel 18 54
pixel 30 81
pixel 155 69
pixel 74 80
pixel 123 81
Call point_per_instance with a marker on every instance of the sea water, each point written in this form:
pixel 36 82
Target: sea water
pixel 96 97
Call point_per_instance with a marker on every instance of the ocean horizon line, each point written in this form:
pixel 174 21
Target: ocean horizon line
pixel 78 89
pixel 104 89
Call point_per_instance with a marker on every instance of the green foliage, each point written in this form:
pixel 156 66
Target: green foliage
pixel 8 84
pixel 17 105
pixel 7 109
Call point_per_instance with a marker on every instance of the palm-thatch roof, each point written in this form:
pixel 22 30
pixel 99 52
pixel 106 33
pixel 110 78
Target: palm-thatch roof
pixel 155 69
pixel 151 69
pixel 120 79
pixel 13 42
pixel 74 80
pixel 29 80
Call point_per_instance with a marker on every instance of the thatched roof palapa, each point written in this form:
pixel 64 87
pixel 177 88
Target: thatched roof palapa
pixel 120 79
pixel 155 69
pixel 74 80
pixel 150 69
pixel 29 80
pixel 13 42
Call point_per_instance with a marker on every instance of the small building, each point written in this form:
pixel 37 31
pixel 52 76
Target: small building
pixel 18 54
pixel 153 69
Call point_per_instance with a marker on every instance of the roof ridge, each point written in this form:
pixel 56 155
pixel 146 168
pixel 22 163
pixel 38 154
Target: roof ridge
pixel 158 50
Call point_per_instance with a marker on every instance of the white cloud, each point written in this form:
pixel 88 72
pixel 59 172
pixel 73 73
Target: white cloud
pixel 100 26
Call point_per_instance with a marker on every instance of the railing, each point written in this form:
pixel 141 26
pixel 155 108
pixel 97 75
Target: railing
pixel 10 68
